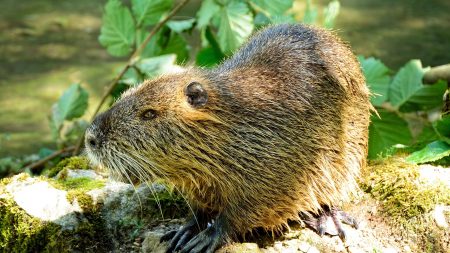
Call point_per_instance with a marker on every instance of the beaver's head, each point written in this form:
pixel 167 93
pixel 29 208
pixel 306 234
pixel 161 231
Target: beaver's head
pixel 156 130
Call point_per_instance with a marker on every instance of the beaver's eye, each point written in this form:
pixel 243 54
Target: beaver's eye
pixel 149 114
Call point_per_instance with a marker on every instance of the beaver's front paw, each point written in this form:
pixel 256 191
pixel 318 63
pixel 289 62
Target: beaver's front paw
pixel 207 241
pixel 179 238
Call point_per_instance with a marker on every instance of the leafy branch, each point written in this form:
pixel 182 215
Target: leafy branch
pixel 131 61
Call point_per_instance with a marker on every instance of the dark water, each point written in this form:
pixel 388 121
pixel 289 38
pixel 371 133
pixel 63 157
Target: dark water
pixel 47 45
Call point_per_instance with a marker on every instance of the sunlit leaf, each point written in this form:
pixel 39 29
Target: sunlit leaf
pixel 117 32
pixel 426 98
pixel 406 83
pixel 377 78
pixel 208 9
pixel 330 13
pixel 311 12
pixel 236 24
pixel 432 152
pixel 72 104
pixel 273 7
pixel 155 66
pixel 386 131
pixel 149 12
pixel 180 25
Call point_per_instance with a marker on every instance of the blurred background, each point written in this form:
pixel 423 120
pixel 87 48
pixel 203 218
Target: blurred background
pixel 46 45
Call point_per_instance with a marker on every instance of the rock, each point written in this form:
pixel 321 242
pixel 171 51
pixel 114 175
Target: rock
pixel 76 212
pixel 41 200
pixel 240 248
pixel 353 249
pixel 151 243
pixel 313 250
pixel 80 174
pixel 389 250
pixel 304 247
pixel 433 175
pixel 439 216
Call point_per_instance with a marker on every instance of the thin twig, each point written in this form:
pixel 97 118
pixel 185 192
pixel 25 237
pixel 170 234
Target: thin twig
pixel 133 58
pixel 41 162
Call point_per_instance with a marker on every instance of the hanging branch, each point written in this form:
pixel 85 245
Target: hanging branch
pixel 133 58
pixel 41 162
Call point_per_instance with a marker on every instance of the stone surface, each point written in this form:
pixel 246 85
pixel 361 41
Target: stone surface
pixel 43 201
pixel 439 216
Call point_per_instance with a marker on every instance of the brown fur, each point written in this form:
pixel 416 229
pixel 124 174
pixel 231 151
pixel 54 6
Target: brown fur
pixel 284 129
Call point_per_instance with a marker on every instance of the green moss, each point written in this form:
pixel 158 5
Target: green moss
pixel 20 232
pixel 84 200
pixel 407 201
pixel 81 183
pixel 396 183
pixel 72 163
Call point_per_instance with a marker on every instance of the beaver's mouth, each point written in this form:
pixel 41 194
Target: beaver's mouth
pixel 121 167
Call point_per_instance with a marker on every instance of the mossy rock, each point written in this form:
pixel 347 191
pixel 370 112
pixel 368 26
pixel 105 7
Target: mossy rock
pixel 407 201
pixel 71 163
pixel 104 221
pixel 21 232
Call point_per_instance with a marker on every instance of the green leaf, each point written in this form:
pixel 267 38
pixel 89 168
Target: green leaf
pixel 331 12
pixel 261 20
pixel 311 12
pixel 272 7
pixel 153 47
pixel 181 25
pixel 208 57
pixel 284 19
pixel 155 66
pixel 208 9
pixel 236 24
pixel 72 104
pixel 176 44
pixel 377 78
pixel 427 135
pixel 426 98
pixel 386 131
pixel 117 32
pixel 211 54
pixel 406 83
pixel 149 12
pixel 442 128
pixel 432 152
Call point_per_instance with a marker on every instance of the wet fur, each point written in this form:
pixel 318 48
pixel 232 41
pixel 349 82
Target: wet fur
pixel 284 130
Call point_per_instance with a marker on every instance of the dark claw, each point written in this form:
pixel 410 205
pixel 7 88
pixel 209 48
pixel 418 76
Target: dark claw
pixel 347 219
pixel 321 225
pixel 319 222
pixel 167 236
pixel 207 241
pixel 183 235
pixel 184 239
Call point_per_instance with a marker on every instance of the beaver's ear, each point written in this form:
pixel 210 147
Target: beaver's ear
pixel 196 95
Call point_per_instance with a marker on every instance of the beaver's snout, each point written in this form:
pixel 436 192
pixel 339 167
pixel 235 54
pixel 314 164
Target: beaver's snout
pixel 95 136
pixel 92 140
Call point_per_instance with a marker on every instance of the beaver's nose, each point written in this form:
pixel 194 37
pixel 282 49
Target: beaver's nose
pixel 92 142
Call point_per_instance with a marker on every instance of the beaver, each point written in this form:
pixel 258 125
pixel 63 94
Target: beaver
pixel 276 131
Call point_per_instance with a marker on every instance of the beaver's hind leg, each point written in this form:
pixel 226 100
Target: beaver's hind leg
pixel 321 226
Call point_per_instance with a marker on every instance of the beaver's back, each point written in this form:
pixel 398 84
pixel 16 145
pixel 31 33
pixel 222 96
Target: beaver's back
pixel 297 111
